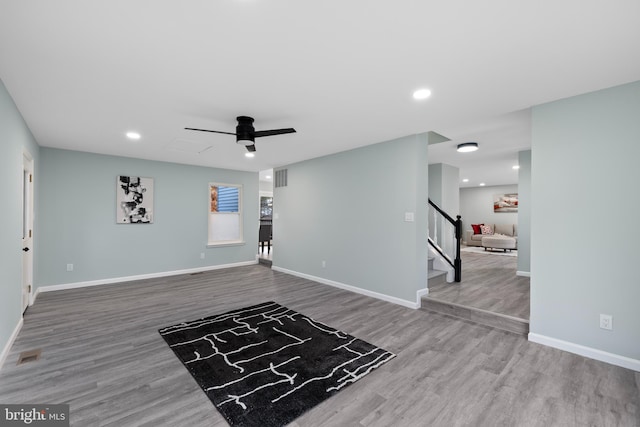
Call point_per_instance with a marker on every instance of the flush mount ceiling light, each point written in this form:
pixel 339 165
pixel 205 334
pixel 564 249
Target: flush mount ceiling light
pixel 482 184
pixel 465 180
pixel 421 94
pixel 249 154
pixel 467 147
pixel 133 135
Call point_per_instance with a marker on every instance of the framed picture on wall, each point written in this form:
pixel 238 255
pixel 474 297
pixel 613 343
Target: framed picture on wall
pixel 134 200
pixel 505 202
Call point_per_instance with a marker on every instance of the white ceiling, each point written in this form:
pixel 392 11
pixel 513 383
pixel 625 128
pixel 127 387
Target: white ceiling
pixel 342 73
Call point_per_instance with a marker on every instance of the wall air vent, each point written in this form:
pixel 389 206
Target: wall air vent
pixel 280 178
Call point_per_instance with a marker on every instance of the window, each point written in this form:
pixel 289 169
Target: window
pixel 225 214
pixel 266 207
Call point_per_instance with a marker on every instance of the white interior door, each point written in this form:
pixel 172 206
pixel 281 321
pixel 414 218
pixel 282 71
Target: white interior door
pixel 27 230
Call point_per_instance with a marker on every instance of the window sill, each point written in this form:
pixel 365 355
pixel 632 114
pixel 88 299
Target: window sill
pixel 226 243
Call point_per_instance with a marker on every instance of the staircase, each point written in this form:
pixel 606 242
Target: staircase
pixel 435 276
pixel 444 237
pixel 445 234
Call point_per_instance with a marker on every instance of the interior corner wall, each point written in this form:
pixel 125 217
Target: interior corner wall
pixel 524 212
pixel 476 206
pixel 435 183
pixel 444 187
pixel 348 210
pixel 444 191
pixel 78 219
pixel 584 255
pixel 15 138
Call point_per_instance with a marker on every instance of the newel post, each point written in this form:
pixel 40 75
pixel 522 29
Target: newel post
pixel 458 261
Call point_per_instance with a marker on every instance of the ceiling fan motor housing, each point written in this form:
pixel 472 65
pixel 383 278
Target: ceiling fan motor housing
pixel 245 132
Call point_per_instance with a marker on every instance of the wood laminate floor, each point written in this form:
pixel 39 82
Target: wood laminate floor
pixel 102 354
pixel 266 253
pixel 489 282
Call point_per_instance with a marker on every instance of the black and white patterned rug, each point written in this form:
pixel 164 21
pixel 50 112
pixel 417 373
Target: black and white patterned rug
pixel 265 365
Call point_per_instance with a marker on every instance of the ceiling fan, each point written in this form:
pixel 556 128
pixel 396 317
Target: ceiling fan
pixel 246 133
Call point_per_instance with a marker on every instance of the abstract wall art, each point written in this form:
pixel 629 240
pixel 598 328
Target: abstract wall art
pixel 505 202
pixel 134 200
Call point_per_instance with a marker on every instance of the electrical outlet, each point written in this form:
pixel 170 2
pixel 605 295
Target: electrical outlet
pixel 69 267
pixel 324 263
pixel 606 322
pixel 201 255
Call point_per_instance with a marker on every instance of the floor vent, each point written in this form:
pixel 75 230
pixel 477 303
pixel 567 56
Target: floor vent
pixel 29 356
pixel 195 274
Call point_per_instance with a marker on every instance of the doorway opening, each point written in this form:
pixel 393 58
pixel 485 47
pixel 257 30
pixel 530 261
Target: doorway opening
pixel 265 230
pixel 27 230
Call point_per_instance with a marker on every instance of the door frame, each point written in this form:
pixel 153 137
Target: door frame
pixel 28 184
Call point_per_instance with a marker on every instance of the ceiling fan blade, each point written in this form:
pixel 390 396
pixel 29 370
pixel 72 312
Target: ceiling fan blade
pixel 213 131
pixel 273 132
pixel 251 148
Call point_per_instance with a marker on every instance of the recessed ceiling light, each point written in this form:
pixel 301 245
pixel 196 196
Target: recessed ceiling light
pixel 250 155
pixel 268 177
pixel 482 184
pixel 421 94
pixel 515 167
pixel 465 180
pixel 133 135
pixel 467 147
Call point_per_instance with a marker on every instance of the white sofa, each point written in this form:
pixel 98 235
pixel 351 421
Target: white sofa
pixel 510 230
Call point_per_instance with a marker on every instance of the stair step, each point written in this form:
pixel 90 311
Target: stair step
pixel 265 262
pixel 477 315
pixel 435 277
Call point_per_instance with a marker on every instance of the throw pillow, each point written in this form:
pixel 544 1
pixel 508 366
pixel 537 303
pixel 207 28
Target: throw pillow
pixel 476 228
pixel 486 229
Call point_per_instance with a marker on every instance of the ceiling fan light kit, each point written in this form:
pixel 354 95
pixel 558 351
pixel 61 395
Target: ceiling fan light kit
pixel 467 147
pixel 246 133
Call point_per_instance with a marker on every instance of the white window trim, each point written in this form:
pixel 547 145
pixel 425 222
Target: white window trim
pixel 219 243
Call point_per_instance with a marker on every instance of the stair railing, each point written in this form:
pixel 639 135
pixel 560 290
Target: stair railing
pixel 446 238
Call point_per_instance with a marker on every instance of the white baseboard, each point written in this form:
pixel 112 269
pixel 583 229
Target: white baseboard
pixel 523 273
pixel 384 297
pixel 421 293
pixel 138 277
pixel 592 353
pixel 12 338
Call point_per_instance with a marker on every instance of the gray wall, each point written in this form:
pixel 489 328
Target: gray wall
pixel 476 206
pixel 584 255
pixel 524 212
pixel 444 186
pixel 348 210
pixel 14 138
pixel 266 187
pixel 444 191
pixel 78 224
